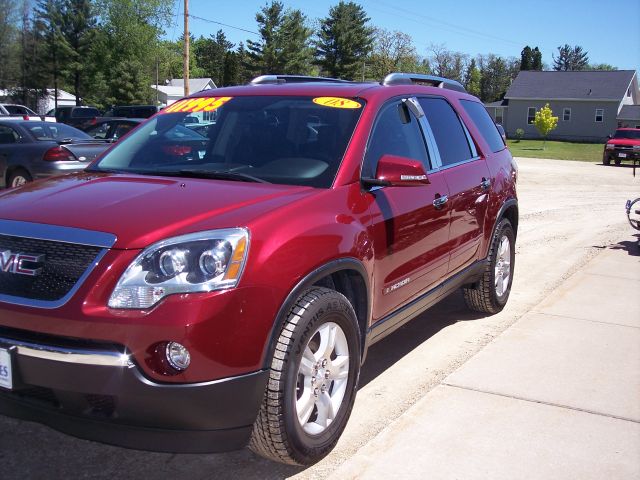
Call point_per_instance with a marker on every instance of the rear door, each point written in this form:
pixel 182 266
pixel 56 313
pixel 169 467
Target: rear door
pixel 467 177
pixel 9 144
pixel 409 233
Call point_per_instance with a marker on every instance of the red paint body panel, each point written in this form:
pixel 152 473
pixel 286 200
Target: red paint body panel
pixel 395 233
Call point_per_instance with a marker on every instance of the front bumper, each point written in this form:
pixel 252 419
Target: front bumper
pixel 622 154
pixel 98 393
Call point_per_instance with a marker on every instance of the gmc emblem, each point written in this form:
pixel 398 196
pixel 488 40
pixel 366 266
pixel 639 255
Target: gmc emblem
pixel 11 262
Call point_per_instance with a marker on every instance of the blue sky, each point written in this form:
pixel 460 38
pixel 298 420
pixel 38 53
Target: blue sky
pixel 473 27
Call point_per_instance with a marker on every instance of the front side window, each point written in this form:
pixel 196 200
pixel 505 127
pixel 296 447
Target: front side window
pixel 566 115
pixel 276 139
pixel 395 132
pixel 449 134
pixel 599 115
pixel 531 115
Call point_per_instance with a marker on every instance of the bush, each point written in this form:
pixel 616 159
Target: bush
pixel 519 134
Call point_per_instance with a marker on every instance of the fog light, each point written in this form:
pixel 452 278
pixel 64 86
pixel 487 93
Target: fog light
pixel 178 356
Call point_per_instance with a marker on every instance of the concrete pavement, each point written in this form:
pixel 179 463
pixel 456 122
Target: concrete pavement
pixel 556 396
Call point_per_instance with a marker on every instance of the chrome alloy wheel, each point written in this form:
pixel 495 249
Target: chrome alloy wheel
pixel 322 378
pixel 18 181
pixel 502 271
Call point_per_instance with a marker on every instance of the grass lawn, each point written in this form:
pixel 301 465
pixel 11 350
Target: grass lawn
pixel 584 152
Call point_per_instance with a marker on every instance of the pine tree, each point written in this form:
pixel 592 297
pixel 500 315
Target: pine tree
pixel 297 54
pixel 264 56
pixel 570 58
pixel 537 59
pixel 344 41
pixel 473 79
pixel 526 58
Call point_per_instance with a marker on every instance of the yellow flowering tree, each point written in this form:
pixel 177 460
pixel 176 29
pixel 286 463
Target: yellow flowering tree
pixel 545 122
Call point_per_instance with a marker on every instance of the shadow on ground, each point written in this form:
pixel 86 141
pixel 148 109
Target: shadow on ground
pixel 632 247
pixel 33 451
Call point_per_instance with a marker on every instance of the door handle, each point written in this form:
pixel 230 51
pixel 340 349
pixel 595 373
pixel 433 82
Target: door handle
pixel 440 201
pixel 485 184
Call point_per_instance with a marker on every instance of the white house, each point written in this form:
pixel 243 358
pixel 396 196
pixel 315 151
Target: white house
pixel 173 90
pixel 44 104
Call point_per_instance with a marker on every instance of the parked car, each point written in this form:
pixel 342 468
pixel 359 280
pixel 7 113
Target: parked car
pixel 20 111
pixel 195 294
pixel 623 145
pixel 132 111
pixel 112 128
pixel 31 150
pixel 78 117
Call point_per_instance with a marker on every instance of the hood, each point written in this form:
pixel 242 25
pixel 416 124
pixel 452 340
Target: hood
pixel 623 141
pixel 141 210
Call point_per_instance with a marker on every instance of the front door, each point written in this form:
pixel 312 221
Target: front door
pixel 409 233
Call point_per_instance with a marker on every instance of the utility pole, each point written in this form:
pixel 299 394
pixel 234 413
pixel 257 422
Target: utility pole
pixel 186 48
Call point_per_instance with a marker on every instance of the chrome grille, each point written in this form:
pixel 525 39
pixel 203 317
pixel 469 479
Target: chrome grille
pixel 62 268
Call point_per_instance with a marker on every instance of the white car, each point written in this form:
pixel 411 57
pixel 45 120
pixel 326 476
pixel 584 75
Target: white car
pixel 9 109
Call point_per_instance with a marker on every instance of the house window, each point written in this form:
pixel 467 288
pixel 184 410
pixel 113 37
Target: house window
pixel 500 115
pixel 531 115
pixel 599 115
pixel 566 114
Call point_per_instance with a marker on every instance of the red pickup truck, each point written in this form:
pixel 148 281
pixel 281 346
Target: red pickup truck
pixel 623 145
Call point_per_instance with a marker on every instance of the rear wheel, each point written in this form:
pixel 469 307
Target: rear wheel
pixel 18 177
pixel 312 381
pixel 490 293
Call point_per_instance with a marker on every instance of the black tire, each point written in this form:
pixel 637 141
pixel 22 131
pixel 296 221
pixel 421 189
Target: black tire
pixel 483 296
pixel 606 160
pixel 277 433
pixel 18 177
pixel 617 161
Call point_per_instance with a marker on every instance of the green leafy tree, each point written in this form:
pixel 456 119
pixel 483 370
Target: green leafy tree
pixel 496 76
pixel 344 41
pixel 295 36
pixel 601 66
pixel 78 28
pixel 545 122
pixel 284 45
pixel 8 43
pixel 447 63
pixel 536 56
pixel 570 58
pixel 526 58
pixel 473 79
pixel 392 52
pixel 211 55
pixel 56 49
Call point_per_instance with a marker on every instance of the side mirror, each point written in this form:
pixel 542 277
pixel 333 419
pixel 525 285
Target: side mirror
pixel 398 172
pixel 503 134
pixel 609 136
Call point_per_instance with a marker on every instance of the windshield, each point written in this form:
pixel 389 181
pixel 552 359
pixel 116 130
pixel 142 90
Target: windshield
pixel 54 131
pixel 629 134
pixel 287 140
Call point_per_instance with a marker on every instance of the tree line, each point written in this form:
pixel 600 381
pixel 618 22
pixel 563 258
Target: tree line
pixel 109 52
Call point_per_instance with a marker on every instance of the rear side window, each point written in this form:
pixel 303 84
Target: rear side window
pixel 85 112
pixel 449 133
pixel 396 132
pixel 484 123
pixel 8 135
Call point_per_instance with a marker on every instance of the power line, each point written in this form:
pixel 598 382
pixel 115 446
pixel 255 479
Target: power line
pixel 460 30
pixel 195 17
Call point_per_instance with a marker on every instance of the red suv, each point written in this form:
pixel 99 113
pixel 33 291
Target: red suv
pixel 195 293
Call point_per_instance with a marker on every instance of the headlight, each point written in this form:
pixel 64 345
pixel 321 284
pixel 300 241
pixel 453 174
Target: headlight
pixel 610 146
pixel 198 262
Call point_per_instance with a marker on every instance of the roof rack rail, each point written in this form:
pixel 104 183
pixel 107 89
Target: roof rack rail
pixel 432 80
pixel 280 79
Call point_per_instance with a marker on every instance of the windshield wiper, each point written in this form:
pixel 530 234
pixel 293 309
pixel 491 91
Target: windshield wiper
pixel 217 175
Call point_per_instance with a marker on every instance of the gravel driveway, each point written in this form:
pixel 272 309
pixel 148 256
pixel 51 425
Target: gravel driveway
pixel 568 211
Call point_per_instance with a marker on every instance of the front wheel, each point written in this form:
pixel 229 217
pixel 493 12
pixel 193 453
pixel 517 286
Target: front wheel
pixel 312 381
pixel 490 293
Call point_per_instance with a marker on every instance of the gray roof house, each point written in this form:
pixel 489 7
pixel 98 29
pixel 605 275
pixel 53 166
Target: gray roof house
pixel 589 105
pixel 173 90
